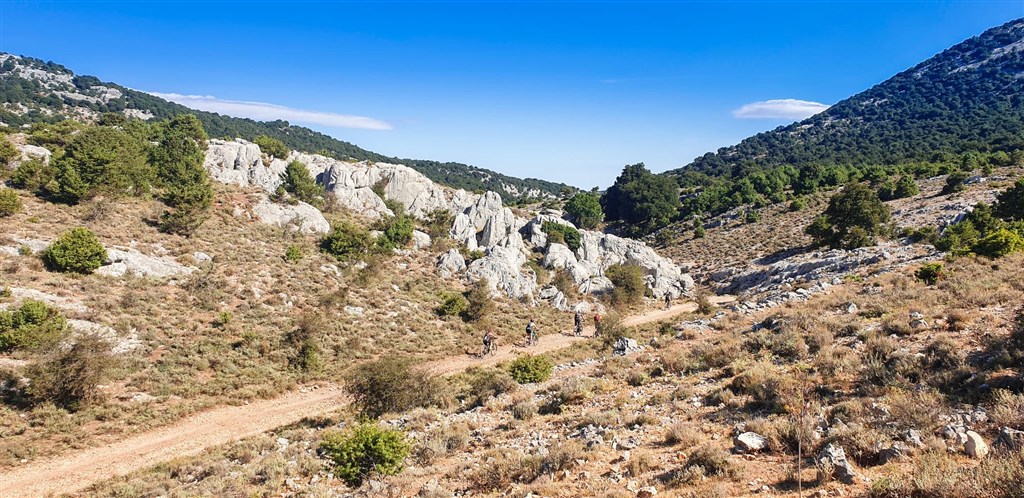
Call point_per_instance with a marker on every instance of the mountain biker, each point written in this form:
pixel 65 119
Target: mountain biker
pixel 488 343
pixel 531 333
pixel 578 320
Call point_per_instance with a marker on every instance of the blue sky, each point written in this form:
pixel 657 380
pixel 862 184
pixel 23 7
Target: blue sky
pixel 567 91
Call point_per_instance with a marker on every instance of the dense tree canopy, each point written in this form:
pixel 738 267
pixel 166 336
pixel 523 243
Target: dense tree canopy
pixel 585 210
pixel 641 200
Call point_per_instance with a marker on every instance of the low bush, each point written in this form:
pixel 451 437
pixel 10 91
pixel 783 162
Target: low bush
pixel 347 241
pixel 297 180
pixel 366 450
pixel 954 182
pixel 10 203
pixel 33 175
pixel 271 146
pixel 293 254
pixel 559 233
pixel 77 250
pixel 31 326
pixel 528 369
pixel 396 231
pixel 479 301
pixel 628 281
pixel 930 273
pixel 391 385
pixel 486 383
pixel 452 304
pixel 70 377
pixel 999 243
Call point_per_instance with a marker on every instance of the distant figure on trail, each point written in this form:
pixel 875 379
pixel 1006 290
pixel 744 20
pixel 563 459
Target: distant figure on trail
pixel 490 343
pixel 578 323
pixel 531 333
pixel 597 323
pixel 668 300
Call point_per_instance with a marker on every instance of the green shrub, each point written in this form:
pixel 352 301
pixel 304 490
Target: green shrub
pixel 438 222
pixel 31 326
pixel 487 383
pixel 293 254
pixel 103 160
pixel 585 210
pixel 930 273
pixel 365 450
pixel 347 241
pixel 271 146
pixel 77 250
pixel 629 283
pixel 1010 203
pixel 452 304
pixel 479 300
pixel 179 161
pixel 70 377
pixel 699 233
pixel 854 218
pixel 528 369
pixel 390 385
pixel 999 243
pixel 32 175
pixel 191 207
pixel 752 216
pixel 10 203
pixel 954 182
pixel 798 204
pixel 7 151
pixel 959 238
pixel 297 180
pixel 396 231
pixel 559 233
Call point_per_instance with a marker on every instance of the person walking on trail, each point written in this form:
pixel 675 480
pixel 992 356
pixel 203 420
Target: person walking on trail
pixel 531 333
pixel 578 321
pixel 597 324
pixel 489 343
pixel 668 300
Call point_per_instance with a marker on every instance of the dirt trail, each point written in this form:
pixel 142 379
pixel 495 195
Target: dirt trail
pixel 75 471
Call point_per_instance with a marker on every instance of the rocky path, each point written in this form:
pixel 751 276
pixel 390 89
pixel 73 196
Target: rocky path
pixel 73 472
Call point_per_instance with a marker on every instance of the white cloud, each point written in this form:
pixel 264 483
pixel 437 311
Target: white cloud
pixel 779 109
pixel 261 111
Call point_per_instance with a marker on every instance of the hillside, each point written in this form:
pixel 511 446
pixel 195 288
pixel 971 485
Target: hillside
pixel 969 97
pixel 32 91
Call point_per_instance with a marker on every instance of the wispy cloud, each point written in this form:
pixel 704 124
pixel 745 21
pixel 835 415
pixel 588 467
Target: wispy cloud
pixel 779 109
pixel 262 111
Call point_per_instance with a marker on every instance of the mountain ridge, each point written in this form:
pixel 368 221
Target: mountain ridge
pixel 33 90
pixel 969 97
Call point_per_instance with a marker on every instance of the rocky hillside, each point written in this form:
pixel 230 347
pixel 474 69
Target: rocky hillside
pixel 480 223
pixel 32 90
pixel 966 98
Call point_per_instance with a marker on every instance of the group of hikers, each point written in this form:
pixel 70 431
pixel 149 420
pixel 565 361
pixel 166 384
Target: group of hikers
pixel 491 341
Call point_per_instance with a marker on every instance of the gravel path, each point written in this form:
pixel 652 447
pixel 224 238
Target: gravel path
pixel 75 471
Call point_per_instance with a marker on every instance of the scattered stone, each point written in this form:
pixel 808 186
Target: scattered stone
pixel 201 257
pixel 850 308
pixel 913 438
pixel 834 456
pixel 625 346
pixel 648 492
pixel 750 442
pixel 1011 438
pixel 354 310
pixel 121 261
pixel 975 445
pixel 896 451
pixel 420 240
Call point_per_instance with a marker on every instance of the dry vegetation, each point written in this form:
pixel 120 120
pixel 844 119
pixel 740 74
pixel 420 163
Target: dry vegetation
pixel 234 329
pixel 804 376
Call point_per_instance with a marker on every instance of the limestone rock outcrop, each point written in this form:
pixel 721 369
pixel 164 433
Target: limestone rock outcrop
pixel 300 216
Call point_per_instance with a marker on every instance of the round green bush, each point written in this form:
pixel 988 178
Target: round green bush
pixel 77 250
pixel 528 369
pixel 10 203
pixel 999 243
pixel 367 449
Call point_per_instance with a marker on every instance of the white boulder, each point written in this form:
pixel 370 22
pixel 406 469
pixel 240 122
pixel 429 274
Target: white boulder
pixel 300 216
